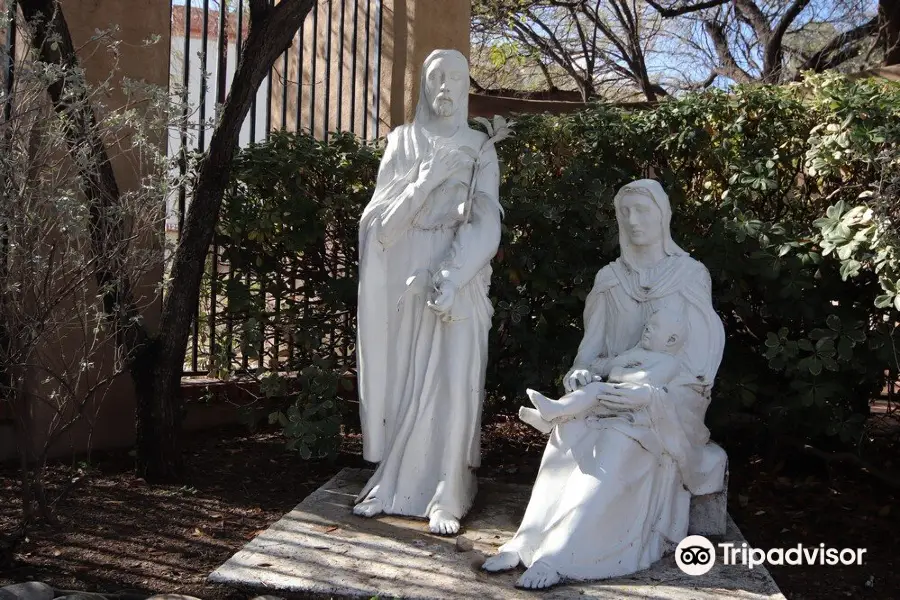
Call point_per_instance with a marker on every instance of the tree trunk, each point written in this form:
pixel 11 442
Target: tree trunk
pixel 158 451
pixel 889 25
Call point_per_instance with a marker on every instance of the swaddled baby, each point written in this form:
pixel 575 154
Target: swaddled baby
pixel 652 362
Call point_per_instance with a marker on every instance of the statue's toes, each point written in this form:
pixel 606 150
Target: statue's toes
pixel 538 577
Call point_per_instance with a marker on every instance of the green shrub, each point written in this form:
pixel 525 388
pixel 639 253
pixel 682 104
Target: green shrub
pixel 787 194
pixel 288 231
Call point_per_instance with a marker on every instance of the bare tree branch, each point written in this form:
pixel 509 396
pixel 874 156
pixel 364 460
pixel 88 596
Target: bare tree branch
pixel 838 49
pixel 773 57
pixel 729 67
pixel 690 8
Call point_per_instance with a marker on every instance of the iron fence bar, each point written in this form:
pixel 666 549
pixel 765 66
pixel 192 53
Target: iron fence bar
pixel 229 319
pixel 201 147
pixel 353 66
pixel 284 91
pixel 239 41
pixel 9 67
pixel 204 49
pixel 269 104
pixel 9 75
pixel 183 159
pixel 340 89
pixel 365 123
pixel 300 77
pixel 312 89
pixel 293 272
pixel 376 84
pixel 326 125
pixel 222 50
pixel 269 95
pixel 185 114
pixel 245 354
pixel 221 67
pixel 276 337
pixel 260 365
pixel 252 109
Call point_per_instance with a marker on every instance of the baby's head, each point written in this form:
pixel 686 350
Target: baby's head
pixel 664 331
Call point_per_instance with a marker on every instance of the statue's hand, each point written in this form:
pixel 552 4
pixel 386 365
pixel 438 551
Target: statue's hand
pixel 438 168
pixel 576 378
pixel 417 284
pixel 443 301
pixel 627 395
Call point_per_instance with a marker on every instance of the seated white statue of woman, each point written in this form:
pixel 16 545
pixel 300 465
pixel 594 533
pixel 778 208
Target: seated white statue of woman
pixel 613 492
pixel 652 362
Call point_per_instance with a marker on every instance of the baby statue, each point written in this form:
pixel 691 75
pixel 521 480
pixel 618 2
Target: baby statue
pixel 651 362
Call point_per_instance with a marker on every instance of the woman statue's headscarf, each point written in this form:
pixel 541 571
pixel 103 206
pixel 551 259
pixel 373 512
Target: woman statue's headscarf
pixel 648 188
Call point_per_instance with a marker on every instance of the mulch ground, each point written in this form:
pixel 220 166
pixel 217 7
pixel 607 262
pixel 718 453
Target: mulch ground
pixel 120 534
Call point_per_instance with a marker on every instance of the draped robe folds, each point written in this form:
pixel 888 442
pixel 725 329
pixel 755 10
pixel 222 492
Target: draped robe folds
pixel 613 493
pixel 421 380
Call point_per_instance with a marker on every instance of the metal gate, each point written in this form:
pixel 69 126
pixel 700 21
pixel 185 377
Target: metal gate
pixel 328 80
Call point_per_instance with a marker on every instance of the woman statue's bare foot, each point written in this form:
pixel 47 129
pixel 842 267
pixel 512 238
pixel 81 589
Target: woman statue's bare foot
pixel 502 561
pixel 538 577
pixel 369 508
pixel 443 523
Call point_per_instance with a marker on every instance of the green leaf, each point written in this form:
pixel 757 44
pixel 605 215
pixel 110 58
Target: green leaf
pixel 845 348
pixel 849 269
pixel 815 366
pixel 884 301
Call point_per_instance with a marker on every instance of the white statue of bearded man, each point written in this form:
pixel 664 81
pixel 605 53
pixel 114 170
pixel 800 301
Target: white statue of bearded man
pixel 426 241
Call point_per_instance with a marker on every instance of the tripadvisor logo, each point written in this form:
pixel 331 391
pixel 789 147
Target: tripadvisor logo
pixel 696 555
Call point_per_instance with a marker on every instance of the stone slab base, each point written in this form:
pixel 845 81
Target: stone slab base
pixel 320 549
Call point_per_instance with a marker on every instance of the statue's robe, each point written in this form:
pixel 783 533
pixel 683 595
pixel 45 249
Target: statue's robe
pixel 421 379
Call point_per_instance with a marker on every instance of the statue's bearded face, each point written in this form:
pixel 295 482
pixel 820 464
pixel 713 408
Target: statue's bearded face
pixel 446 80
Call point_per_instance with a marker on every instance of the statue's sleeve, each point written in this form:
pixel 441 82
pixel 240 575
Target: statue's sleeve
pixel 477 240
pixel 397 198
pixel 592 344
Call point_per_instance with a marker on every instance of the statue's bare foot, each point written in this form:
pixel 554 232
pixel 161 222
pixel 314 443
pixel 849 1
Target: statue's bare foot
pixel 546 406
pixel 538 577
pixel 502 561
pixel 532 417
pixel 369 508
pixel 443 523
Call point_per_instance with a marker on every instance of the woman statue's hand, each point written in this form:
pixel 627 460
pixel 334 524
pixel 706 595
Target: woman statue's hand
pixel 576 378
pixel 437 169
pixel 627 395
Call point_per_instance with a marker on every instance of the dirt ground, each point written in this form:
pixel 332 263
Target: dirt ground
pixel 121 535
